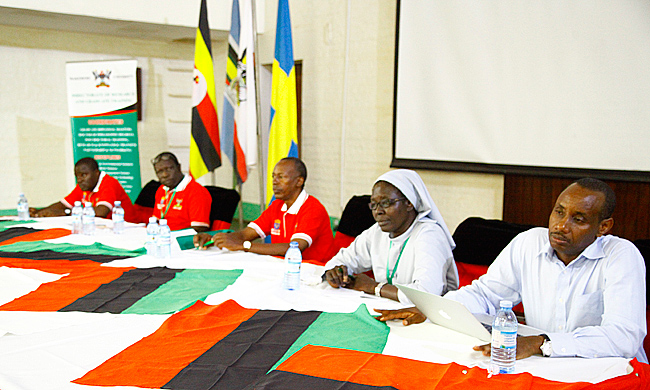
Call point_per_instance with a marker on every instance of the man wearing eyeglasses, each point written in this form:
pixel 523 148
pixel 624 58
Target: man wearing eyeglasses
pixel 410 244
pixel 181 200
pixel 293 216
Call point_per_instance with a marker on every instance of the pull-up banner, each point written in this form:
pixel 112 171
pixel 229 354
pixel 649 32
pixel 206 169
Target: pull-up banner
pixel 102 99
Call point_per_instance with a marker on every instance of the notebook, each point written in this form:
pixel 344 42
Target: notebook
pixel 454 315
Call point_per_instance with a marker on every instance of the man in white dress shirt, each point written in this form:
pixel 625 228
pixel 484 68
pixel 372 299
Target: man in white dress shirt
pixel 584 288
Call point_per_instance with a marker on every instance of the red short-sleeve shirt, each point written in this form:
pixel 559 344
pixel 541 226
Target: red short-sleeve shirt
pixel 307 219
pixel 105 193
pixel 185 206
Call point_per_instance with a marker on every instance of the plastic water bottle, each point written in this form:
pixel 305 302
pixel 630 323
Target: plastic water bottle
pixel 88 219
pixel 292 262
pixel 118 218
pixel 164 240
pixel 152 237
pixel 77 216
pixel 22 207
pixel 504 340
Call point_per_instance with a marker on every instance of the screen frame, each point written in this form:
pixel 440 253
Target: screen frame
pixel 504 169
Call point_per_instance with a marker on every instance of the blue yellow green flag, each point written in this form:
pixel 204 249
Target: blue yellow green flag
pixel 283 133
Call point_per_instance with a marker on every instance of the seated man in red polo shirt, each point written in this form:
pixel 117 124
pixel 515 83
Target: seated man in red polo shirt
pixel 182 201
pixel 93 186
pixel 293 216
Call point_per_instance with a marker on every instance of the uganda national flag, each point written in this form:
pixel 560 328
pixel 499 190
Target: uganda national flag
pixel 231 347
pixel 205 151
pixel 86 286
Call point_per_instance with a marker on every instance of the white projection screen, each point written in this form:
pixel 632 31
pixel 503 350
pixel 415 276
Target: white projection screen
pixel 514 86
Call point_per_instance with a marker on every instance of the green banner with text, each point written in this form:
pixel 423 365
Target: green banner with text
pixel 102 99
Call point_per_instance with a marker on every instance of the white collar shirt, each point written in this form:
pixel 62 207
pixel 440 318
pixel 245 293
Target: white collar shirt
pixel 593 307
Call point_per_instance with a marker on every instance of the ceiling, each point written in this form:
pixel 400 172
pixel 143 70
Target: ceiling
pixel 86 24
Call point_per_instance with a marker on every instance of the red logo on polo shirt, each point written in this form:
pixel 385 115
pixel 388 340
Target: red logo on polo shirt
pixel 276 228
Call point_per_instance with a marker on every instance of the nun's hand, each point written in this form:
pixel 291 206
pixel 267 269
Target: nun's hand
pixel 338 277
pixel 363 282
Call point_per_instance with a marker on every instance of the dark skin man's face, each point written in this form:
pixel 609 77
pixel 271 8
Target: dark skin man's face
pixel 575 221
pixel 168 173
pixel 87 178
pixel 287 184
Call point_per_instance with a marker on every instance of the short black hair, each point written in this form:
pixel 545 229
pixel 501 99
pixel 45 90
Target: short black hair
pixel 165 156
pixel 88 162
pixel 299 165
pixel 596 185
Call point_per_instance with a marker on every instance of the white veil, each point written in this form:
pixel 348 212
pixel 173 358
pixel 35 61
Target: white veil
pixel 413 188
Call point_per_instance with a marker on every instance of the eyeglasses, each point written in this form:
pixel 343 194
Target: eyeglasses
pixel 163 157
pixel 384 204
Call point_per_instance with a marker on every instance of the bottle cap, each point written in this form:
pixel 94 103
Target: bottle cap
pixel 118 203
pixel 505 304
pixel 162 222
pixel 152 219
pixel 88 204
pixel 293 244
pixel 77 203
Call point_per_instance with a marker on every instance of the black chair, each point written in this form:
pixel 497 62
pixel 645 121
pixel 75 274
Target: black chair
pixel 224 205
pixel 147 197
pixel 479 241
pixel 356 218
pixel 145 202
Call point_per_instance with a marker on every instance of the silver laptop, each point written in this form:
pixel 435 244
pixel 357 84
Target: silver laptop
pixel 454 315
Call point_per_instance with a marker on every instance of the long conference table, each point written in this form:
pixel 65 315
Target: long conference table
pixel 89 312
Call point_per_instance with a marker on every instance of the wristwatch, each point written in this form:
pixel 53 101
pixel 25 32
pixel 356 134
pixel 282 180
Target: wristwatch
pixel 247 246
pixel 378 288
pixel 546 347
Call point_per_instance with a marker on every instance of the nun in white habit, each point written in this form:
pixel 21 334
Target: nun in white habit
pixel 410 244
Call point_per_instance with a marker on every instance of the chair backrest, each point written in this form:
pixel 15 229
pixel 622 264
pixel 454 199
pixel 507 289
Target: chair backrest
pixel 479 241
pixel 224 205
pixel 144 204
pixel 147 197
pixel 356 218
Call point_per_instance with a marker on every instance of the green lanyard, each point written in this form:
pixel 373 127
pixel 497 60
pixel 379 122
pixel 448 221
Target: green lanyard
pixel 168 204
pixel 389 277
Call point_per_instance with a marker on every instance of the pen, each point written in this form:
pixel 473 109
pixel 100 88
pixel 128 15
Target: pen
pixel 206 244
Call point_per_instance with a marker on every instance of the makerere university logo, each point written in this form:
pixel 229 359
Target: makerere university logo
pixel 102 78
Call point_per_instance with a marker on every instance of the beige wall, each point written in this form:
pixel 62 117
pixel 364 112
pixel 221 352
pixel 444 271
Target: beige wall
pixel 353 108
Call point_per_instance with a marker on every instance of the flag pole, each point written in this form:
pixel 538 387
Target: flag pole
pixel 258 111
